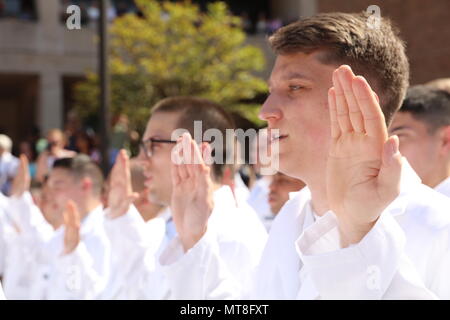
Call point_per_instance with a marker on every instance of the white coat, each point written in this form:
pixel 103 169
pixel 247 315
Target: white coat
pixel 36 267
pixel 405 255
pixel 444 187
pixel 239 236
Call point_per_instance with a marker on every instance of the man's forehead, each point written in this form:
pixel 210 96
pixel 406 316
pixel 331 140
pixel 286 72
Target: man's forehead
pixel 405 120
pixel 161 124
pixel 298 65
pixel 58 173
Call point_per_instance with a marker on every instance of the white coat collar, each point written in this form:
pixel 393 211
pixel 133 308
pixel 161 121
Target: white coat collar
pixel 444 187
pixel 92 220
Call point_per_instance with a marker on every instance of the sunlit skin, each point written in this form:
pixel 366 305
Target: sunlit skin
pixel 146 208
pixel 298 107
pixel 156 168
pixel 280 187
pixel 427 151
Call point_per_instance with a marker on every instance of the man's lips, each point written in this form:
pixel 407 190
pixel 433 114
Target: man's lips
pixel 148 181
pixel 278 137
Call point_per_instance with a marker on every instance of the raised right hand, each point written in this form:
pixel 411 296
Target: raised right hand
pixel 192 189
pixel 22 180
pixel 121 195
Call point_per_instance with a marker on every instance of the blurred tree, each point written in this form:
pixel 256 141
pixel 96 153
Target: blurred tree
pixel 175 49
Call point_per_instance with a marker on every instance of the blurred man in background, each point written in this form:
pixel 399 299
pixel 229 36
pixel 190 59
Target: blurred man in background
pixel 240 235
pixel 439 84
pixel 72 262
pixel 280 187
pixel 423 127
pixel 56 142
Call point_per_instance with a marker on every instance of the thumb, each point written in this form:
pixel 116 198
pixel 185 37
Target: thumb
pixel 390 172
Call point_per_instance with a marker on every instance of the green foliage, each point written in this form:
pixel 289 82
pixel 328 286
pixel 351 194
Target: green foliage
pixel 176 50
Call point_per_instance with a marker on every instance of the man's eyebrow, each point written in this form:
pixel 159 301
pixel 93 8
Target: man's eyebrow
pixel 399 128
pixel 291 76
pixel 295 75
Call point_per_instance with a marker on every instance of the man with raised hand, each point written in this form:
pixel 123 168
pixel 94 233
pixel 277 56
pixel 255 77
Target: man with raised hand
pixel 333 136
pixel 240 236
pixel 71 262
pixel 134 241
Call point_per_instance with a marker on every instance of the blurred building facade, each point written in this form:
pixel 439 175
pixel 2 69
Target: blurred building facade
pixel 40 59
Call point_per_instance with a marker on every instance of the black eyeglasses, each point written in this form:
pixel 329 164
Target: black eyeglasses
pixel 147 145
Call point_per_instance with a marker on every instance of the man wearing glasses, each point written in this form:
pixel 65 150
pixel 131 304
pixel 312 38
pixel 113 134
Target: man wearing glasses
pixel 240 236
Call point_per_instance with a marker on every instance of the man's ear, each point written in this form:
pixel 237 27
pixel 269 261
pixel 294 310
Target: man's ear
pixel 86 184
pixel 445 139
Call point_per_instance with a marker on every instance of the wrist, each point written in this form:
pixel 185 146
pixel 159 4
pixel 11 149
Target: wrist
pixel 352 233
pixel 190 240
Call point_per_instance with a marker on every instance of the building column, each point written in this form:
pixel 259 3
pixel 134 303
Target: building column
pixel 50 101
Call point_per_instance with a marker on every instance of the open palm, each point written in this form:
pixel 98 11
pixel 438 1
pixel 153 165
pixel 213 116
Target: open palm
pixel 192 188
pixel 121 195
pixel 363 168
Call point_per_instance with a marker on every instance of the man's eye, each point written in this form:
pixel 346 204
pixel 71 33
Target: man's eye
pixel 295 87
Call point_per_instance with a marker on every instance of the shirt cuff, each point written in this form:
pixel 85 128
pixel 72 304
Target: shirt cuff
pixel 361 271
pixel 186 271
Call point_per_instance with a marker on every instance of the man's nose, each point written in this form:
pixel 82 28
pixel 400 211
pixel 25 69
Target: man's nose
pixel 141 157
pixel 270 110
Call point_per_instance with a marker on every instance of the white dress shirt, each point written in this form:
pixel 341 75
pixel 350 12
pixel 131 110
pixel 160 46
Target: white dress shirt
pixel 405 255
pixel 259 200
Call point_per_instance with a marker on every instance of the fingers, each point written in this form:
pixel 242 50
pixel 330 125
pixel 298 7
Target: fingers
pixel 207 153
pixel 357 106
pixel 345 78
pixel 71 215
pixel 120 174
pixel 342 110
pixel 125 160
pixel 24 163
pixel 22 180
pixel 71 220
pixel 374 122
pixel 115 172
pixel 335 129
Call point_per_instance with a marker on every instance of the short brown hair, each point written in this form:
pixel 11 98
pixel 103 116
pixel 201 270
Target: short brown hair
pixel 378 53
pixel 82 166
pixel 428 105
pixel 212 116
pixel 440 84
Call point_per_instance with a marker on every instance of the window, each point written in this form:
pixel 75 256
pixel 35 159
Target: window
pixel 19 9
